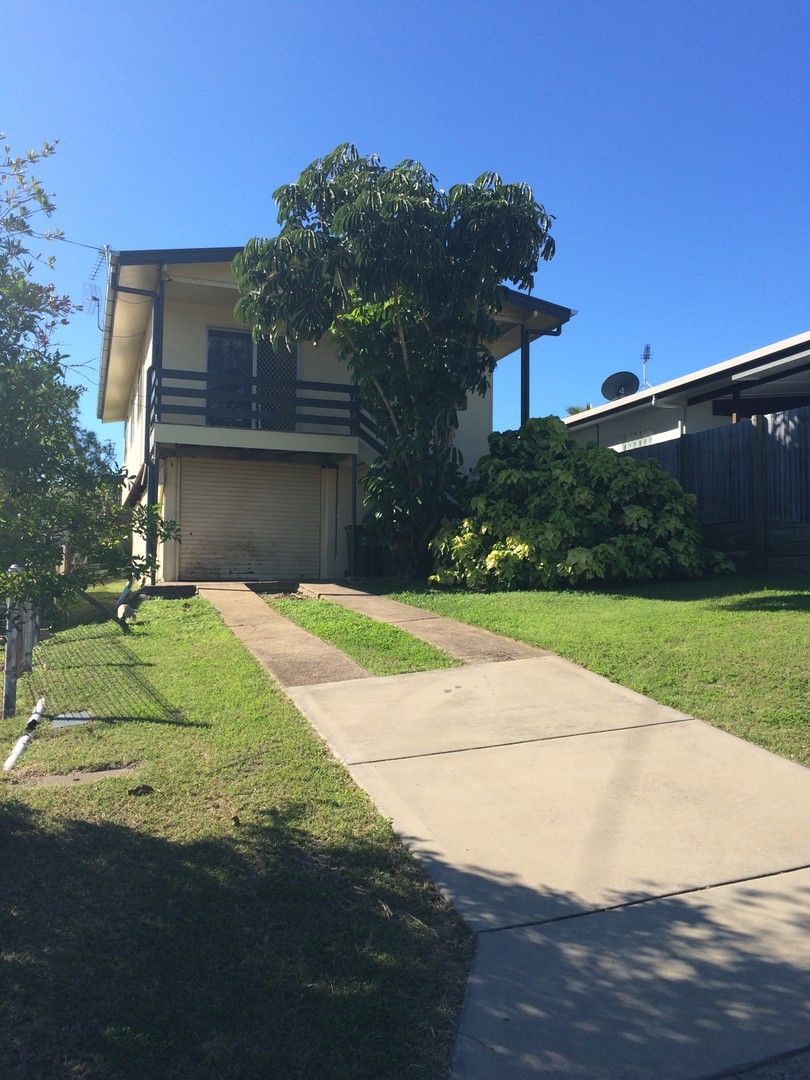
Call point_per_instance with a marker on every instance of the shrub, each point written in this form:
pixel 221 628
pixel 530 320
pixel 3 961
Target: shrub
pixel 547 512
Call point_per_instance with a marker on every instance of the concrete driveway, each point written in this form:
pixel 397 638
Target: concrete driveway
pixel 637 880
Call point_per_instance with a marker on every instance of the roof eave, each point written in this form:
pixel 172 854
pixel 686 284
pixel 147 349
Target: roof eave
pixel 686 384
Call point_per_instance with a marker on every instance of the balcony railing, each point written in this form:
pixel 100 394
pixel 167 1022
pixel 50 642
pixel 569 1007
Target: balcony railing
pixel 199 397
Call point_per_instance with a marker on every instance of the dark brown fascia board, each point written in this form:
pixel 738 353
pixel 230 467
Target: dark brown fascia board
pixel 177 255
pixel 535 304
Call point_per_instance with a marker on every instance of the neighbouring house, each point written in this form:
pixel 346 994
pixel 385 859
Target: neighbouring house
pixel 256 452
pixel 737 435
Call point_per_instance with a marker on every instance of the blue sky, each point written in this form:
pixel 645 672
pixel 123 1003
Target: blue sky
pixel 670 140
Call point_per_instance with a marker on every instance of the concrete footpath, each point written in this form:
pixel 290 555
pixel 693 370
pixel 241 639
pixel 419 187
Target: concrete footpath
pixel 469 643
pixel 638 882
pixel 290 654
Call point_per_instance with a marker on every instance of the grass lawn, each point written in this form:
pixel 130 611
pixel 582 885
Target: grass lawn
pixel 251 915
pixel 379 648
pixel 734 651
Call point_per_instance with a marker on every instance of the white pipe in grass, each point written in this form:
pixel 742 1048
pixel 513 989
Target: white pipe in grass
pixel 24 741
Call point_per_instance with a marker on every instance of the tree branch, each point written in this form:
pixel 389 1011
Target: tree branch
pixel 387 405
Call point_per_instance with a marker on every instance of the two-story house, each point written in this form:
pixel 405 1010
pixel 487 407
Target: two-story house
pixel 256 452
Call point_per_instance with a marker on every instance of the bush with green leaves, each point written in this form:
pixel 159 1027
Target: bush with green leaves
pixel 546 512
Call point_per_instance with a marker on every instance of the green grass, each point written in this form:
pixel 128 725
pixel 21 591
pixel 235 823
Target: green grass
pixel 378 647
pixel 733 651
pixel 253 916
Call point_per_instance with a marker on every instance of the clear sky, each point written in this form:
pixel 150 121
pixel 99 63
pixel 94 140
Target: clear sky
pixel 670 140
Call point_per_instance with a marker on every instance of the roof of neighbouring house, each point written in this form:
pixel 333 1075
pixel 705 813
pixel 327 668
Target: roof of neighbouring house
pixel 125 323
pixel 780 371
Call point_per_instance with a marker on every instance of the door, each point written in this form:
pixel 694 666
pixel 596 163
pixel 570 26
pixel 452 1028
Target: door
pixel 249 520
pixel 230 378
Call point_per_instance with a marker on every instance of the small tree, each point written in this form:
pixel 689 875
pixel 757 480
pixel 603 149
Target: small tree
pixel 406 277
pixel 59 486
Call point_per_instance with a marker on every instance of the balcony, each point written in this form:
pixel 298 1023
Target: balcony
pixel 208 409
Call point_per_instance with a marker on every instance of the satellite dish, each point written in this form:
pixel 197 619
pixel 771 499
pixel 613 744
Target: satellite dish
pixel 619 385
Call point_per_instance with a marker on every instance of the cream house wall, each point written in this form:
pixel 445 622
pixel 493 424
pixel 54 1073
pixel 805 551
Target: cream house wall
pixel 336 516
pixel 474 428
pixel 136 416
pixel 168 554
pixel 185 346
pixel 649 425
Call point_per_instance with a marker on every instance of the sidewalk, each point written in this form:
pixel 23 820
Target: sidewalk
pixel 637 880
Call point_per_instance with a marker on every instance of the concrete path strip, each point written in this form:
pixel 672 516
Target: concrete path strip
pixel 468 643
pixel 541 830
pixel 495 704
pixel 290 654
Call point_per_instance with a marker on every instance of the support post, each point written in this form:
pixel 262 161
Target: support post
pixel 683 448
pixel 12 657
pixel 355 412
pixel 148 415
pixel 28 626
pixel 152 473
pixel 353 561
pixel 524 375
pixel 152 456
pixel 758 504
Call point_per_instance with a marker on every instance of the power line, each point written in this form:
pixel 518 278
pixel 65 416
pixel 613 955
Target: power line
pixel 76 243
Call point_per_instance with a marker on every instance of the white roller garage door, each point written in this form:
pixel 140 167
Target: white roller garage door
pixel 249 519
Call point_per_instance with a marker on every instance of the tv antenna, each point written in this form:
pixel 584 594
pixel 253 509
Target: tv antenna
pixel 619 385
pixel 645 359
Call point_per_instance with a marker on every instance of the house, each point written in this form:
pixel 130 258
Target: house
pixel 256 452
pixel 761 382
pixel 737 436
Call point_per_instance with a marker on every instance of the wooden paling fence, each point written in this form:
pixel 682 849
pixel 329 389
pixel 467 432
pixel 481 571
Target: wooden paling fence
pixel 751 481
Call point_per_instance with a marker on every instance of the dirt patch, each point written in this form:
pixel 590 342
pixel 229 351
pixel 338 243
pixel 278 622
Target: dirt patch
pixel 80 776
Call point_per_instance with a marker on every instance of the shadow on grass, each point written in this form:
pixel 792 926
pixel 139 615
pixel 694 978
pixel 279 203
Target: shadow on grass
pixel 791 601
pixel 681 591
pixel 258 955
pixel 98 672
pixel 265 955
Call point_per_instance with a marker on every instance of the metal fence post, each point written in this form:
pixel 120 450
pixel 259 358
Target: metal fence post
pixel 12 652
pixel 28 626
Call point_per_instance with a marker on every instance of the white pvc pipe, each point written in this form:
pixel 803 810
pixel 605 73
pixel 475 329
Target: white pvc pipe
pixel 20 746
pixel 24 741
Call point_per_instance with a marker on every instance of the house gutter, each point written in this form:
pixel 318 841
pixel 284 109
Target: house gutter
pixel 106 340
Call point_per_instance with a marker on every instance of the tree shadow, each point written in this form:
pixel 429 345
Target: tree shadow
pixel 792 601
pixel 677 590
pixel 259 954
pixel 263 954
pixel 677 988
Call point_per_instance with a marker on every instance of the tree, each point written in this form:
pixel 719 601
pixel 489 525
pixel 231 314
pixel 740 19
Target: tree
pixel 406 277
pixel 574 410
pixel 59 486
